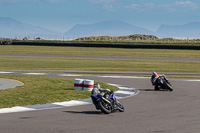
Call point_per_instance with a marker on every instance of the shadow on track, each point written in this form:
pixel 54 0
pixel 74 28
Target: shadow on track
pixel 84 112
pixel 152 90
pixel 146 89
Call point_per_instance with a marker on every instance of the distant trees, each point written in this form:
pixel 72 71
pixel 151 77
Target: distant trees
pixel 130 37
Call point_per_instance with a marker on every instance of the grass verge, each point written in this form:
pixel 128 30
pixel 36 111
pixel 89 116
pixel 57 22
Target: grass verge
pixel 99 51
pixel 30 63
pixel 41 90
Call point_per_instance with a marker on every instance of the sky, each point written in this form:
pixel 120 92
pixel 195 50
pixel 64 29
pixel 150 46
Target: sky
pixel 61 15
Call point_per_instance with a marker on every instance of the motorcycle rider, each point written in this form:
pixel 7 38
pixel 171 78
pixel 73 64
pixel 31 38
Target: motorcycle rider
pixel 98 90
pixel 154 78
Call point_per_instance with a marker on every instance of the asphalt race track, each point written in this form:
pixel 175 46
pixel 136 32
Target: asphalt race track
pixel 148 112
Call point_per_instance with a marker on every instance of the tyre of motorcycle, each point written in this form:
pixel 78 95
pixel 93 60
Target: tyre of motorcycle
pixel 168 86
pixel 156 88
pixel 105 106
pixel 120 107
pixel 158 84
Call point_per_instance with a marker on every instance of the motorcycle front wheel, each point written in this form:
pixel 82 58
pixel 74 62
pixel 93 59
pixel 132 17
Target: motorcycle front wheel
pixel 105 107
pixel 169 87
pixel 120 107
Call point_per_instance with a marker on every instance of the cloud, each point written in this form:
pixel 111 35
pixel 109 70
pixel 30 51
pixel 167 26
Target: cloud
pixel 108 7
pixel 102 1
pixel 182 6
pixel 106 4
pixel 14 1
pixel 141 7
pixel 34 1
pixel 186 4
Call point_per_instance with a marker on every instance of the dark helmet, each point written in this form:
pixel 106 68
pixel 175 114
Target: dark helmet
pixel 154 73
pixel 97 86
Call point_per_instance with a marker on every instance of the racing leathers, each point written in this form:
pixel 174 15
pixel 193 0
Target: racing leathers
pixel 154 79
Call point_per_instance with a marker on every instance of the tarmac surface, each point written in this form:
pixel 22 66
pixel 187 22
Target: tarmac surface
pixel 148 112
pixel 7 83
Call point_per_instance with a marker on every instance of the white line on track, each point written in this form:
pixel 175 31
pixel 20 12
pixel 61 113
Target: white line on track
pixel 197 80
pixel 71 75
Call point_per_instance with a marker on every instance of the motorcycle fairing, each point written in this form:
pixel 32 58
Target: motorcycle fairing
pixel 96 98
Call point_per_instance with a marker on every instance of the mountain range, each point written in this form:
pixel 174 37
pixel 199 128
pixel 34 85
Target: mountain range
pixel 13 28
pixel 106 28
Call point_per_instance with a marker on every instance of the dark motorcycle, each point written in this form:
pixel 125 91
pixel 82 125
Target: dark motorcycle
pixel 107 103
pixel 163 83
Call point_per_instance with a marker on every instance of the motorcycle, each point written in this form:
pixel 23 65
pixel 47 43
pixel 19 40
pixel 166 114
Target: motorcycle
pixel 163 83
pixel 107 102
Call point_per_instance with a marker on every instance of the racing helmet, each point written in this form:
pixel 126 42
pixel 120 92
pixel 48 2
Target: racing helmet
pixel 153 75
pixel 97 86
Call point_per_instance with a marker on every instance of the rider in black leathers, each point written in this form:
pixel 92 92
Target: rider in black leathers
pixel 154 79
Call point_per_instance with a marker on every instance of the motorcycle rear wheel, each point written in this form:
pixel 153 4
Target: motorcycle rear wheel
pixel 105 107
pixel 156 88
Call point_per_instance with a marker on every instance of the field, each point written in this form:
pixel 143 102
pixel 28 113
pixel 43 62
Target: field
pixel 41 63
pixel 98 51
pixel 30 63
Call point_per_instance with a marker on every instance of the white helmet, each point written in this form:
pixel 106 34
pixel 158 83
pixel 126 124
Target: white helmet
pixel 97 86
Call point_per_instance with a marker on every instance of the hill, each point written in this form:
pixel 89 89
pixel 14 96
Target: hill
pixel 13 28
pixel 130 37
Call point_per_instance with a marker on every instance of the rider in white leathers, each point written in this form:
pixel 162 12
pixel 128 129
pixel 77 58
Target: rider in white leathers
pixel 98 90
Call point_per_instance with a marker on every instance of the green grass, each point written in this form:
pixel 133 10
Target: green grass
pixel 30 63
pixel 40 90
pixel 98 51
